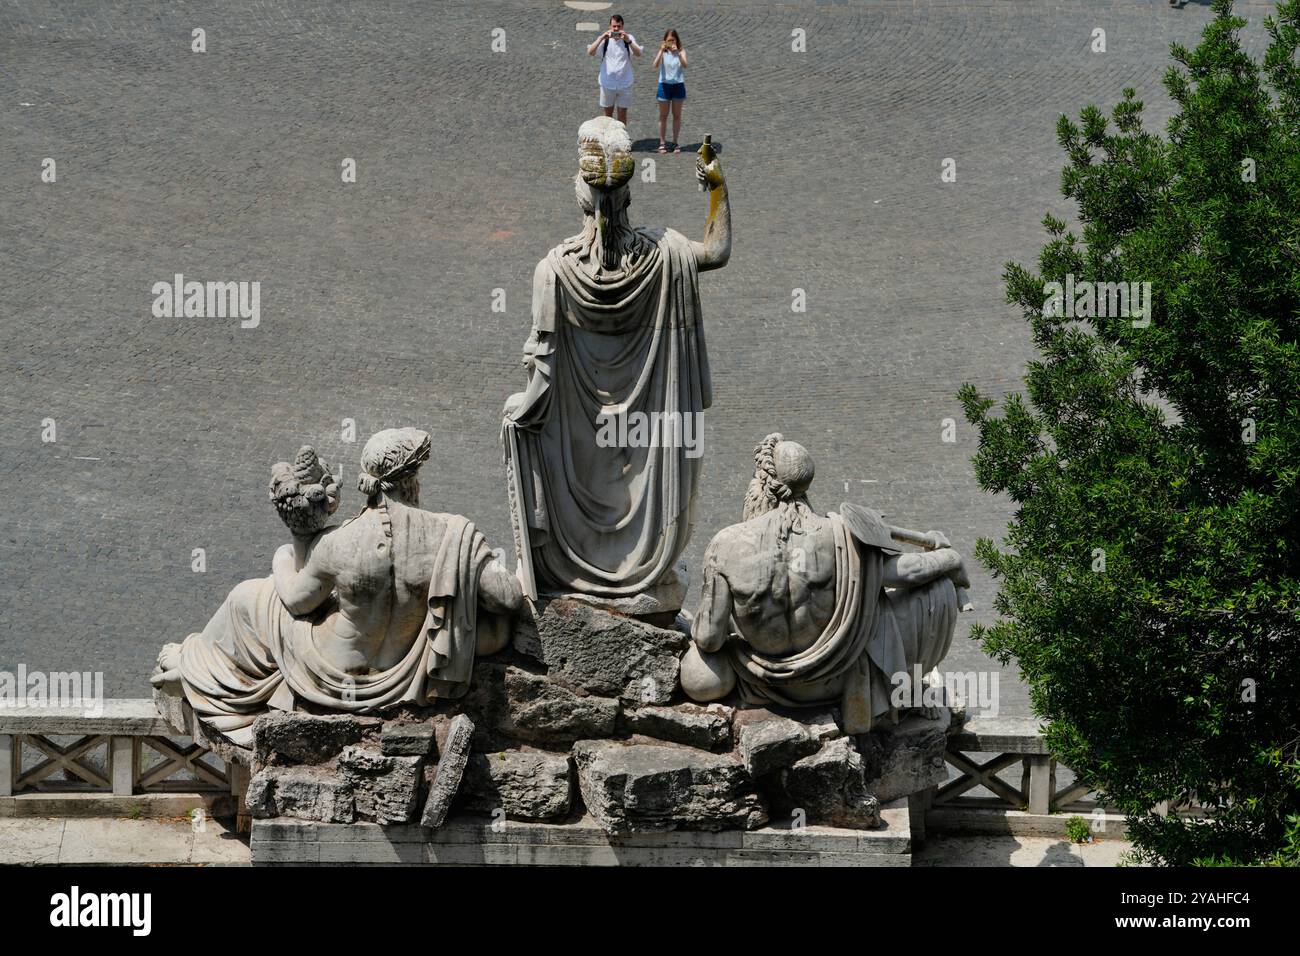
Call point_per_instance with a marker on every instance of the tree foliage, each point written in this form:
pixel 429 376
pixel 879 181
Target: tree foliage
pixel 1148 581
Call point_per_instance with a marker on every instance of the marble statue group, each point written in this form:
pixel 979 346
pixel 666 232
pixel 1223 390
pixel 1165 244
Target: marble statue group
pixel 392 607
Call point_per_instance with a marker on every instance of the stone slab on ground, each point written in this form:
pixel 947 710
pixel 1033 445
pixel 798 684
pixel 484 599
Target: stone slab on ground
pixel 146 806
pixel 768 742
pixel 387 789
pixel 538 709
pixel 971 821
pixel 408 738
pixel 1017 851
pixel 308 792
pixel 25 842
pixel 830 787
pixel 147 841
pixel 469 840
pixel 37 841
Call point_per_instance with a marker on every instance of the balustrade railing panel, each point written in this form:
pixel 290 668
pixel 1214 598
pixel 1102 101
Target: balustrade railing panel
pixel 124 748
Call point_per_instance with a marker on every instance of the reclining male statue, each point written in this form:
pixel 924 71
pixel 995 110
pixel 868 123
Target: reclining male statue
pixel 803 609
pixel 388 608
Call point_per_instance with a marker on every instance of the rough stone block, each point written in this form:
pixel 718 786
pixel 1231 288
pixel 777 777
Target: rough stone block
pixel 538 709
pixel 404 739
pixel 830 787
pixel 708 728
pixel 524 638
pixel 608 654
pixel 768 742
pixel 451 767
pixel 638 787
pixel 821 725
pixel 527 785
pixel 170 701
pixel 304 792
pixel 907 758
pixel 386 789
pixel 306 738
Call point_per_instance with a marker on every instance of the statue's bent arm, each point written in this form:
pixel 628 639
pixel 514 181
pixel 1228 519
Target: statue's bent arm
pixel 712 625
pixel 301 582
pixel 912 569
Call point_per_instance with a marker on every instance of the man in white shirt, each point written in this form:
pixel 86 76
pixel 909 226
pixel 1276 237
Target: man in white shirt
pixel 616 47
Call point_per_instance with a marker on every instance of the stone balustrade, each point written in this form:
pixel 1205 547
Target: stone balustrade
pixel 122 759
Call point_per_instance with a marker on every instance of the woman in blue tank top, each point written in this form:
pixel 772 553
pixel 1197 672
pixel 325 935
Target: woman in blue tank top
pixel 671 62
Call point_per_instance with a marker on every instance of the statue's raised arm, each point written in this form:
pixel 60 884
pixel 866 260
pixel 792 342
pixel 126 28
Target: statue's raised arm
pixel 715 250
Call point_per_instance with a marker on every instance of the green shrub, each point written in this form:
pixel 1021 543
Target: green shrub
pixel 1148 581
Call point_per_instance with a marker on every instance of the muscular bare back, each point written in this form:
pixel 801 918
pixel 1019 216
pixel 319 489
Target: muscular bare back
pixel 382 586
pixel 782 595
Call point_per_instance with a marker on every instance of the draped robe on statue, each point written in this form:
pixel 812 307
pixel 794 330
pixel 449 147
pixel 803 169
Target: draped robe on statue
pixel 254 654
pixel 607 521
pixel 872 634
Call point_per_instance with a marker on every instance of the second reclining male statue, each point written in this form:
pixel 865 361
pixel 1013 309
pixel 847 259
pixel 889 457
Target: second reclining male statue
pixel 804 609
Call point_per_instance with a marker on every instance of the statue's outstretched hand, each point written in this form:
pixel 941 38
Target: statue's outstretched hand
pixel 305 494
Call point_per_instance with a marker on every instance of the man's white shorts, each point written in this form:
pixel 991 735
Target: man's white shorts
pixel 620 99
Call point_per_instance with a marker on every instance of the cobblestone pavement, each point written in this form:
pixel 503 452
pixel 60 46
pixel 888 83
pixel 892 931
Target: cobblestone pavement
pixel 376 296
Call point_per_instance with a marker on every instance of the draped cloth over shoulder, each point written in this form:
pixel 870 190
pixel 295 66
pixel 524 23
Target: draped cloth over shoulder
pixel 254 654
pixel 601 520
pixel 871 636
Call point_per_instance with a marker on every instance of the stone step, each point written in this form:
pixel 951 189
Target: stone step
pixel 467 840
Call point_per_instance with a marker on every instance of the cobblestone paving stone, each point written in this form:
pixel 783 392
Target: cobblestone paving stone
pixel 376 296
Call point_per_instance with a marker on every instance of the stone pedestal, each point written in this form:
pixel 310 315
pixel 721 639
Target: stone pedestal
pixel 479 841
pixel 575 745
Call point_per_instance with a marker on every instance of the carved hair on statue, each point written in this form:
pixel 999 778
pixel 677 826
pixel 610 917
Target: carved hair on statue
pixel 605 153
pixel 607 234
pixel 390 461
pixel 783 470
pixel 605 165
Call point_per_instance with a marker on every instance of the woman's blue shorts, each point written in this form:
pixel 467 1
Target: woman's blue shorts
pixel 671 91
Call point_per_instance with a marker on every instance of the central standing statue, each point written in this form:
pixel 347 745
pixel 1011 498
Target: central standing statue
pixel 602 447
